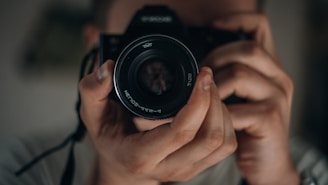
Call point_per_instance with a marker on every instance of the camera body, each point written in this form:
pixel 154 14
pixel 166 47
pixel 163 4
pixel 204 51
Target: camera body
pixel 157 60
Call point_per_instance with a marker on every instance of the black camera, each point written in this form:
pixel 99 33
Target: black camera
pixel 157 60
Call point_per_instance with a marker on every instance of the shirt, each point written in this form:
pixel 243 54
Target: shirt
pixel 16 152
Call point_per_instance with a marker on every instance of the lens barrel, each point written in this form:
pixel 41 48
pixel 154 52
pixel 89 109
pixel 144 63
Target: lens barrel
pixel 154 76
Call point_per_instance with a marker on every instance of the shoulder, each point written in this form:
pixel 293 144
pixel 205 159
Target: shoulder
pixel 17 152
pixel 308 159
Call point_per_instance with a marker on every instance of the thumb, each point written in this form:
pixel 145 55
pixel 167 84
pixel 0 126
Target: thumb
pixel 96 86
pixel 94 90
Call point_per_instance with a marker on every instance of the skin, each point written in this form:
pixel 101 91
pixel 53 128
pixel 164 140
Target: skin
pixel 205 131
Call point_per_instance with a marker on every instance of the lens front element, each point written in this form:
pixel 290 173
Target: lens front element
pixel 154 76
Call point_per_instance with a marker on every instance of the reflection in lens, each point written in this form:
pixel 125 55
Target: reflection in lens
pixel 156 76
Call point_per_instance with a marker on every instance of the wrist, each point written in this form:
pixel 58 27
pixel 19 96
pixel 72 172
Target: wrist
pixel 291 178
pixel 285 176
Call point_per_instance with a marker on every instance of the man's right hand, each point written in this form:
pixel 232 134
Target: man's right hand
pixel 199 136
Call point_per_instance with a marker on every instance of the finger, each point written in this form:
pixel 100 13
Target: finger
pixel 256 24
pixel 193 113
pixel 151 147
pixel 256 118
pixel 145 124
pixel 261 93
pixel 94 89
pixel 246 83
pixel 208 139
pixel 227 148
pixel 249 54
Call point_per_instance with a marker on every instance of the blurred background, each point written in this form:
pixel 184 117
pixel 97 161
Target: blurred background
pixel 41 47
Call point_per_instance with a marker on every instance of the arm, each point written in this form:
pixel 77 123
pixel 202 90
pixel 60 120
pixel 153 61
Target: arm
pixel 251 70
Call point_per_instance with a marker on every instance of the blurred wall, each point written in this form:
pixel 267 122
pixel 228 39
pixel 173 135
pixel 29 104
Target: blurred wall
pixel 43 101
pixel 314 116
pixel 47 101
pixel 288 22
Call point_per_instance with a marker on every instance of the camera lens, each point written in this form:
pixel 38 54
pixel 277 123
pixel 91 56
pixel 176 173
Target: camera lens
pixel 154 76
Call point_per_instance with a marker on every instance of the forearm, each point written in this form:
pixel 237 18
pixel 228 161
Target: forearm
pixel 282 172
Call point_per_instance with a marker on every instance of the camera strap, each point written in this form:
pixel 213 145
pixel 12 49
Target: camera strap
pixel 76 136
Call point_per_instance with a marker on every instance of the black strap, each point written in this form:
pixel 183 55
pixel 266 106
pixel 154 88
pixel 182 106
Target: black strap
pixel 67 177
pixel 43 155
pixel 243 182
pixel 78 135
pixel 68 174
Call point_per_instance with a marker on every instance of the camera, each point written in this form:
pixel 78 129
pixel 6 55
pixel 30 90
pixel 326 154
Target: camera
pixel 156 60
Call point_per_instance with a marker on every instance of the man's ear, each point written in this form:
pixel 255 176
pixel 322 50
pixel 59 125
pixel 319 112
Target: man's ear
pixel 90 35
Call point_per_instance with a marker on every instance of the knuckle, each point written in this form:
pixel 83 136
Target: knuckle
pixel 263 18
pixel 273 115
pixel 169 174
pixel 252 49
pixel 232 146
pixel 185 175
pixel 82 84
pixel 213 140
pixel 137 168
pixel 163 178
pixel 85 86
pixel 166 177
pixel 136 165
pixel 237 71
pixel 289 85
pixel 184 136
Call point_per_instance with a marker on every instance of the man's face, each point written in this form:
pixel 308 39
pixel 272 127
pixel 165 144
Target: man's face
pixel 191 12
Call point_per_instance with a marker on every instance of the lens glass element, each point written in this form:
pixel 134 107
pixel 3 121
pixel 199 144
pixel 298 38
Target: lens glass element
pixel 156 76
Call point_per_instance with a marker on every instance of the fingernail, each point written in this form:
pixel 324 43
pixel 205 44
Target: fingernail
pixel 102 72
pixel 207 80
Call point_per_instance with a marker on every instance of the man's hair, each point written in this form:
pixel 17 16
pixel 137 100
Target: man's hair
pixel 99 9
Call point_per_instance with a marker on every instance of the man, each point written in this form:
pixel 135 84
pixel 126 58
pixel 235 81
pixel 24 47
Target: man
pixel 207 142
pixel 202 134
